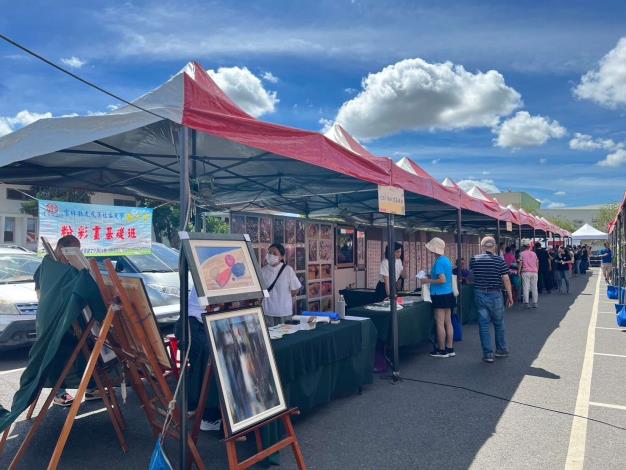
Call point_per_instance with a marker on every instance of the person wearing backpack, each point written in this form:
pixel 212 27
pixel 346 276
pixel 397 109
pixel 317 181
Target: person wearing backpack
pixel 282 285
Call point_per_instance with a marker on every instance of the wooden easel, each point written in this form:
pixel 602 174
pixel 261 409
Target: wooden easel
pixel 104 386
pixel 146 374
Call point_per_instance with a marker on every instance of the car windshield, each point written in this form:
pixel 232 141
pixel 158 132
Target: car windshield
pixel 161 260
pixel 17 267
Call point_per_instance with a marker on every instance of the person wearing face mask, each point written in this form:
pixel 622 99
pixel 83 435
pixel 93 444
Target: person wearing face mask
pixel 282 285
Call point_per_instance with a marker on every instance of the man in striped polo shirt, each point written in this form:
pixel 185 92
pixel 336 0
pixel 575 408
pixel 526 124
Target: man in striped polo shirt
pixel 491 276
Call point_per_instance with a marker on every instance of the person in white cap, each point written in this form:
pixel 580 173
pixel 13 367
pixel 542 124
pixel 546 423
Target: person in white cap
pixel 442 297
pixel 491 277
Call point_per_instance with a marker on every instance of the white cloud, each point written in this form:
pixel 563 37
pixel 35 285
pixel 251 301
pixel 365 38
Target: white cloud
pixel 435 161
pixel 73 62
pixel 486 185
pixel 413 94
pixel 543 161
pixel 327 124
pixel 485 172
pixel 245 89
pixel 606 85
pixel 8 124
pixel 555 205
pixel 350 91
pixel 585 142
pixel 524 130
pixel 269 77
pixel 615 159
pixel 560 193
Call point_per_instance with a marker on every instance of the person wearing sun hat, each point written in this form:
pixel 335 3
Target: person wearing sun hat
pixel 443 299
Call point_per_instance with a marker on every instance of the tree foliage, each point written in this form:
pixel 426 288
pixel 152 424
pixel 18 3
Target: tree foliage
pixel 31 207
pixel 562 222
pixel 605 216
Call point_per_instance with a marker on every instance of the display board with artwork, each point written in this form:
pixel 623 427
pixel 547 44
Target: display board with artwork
pixel 374 257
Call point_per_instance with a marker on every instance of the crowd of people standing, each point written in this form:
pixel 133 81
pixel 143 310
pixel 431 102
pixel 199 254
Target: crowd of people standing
pixel 537 270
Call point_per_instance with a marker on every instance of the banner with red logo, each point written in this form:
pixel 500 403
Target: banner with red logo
pixel 102 230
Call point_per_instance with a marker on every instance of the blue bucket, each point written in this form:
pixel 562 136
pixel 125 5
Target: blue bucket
pixel 612 292
pixel 618 307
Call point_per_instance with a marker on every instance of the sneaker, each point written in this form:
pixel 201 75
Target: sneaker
pixel 450 352
pixel 535 306
pixel 502 354
pixel 438 353
pixel 93 394
pixel 65 399
pixel 206 425
pixel 488 359
pixel 526 306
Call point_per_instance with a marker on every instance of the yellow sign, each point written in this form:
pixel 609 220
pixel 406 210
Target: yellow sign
pixel 391 200
pixel 509 227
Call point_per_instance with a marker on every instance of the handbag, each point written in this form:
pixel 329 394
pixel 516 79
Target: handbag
pixel 621 317
pixel 426 293
pixel 457 327
pixel 455 285
pixel 158 460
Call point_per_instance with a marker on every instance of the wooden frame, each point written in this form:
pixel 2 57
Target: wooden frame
pixel 212 274
pixel 239 386
pixel 344 234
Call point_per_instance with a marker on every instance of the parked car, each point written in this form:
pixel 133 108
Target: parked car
pixel 18 301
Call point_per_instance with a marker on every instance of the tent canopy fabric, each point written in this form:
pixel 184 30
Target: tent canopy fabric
pixel 237 161
pixel 587 232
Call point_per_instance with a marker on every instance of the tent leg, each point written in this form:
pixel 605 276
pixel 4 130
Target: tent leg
pixel 498 236
pixel 184 313
pixel 393 295
pixel 459 241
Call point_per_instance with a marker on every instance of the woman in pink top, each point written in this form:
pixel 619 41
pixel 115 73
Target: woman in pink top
pixel 509 257
pixel 530 270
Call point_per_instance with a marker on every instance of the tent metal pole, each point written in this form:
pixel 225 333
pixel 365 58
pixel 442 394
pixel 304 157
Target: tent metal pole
pixel 459 241
pixel 498 236
pixel 393 295
pixel 519 231
pixel 185 197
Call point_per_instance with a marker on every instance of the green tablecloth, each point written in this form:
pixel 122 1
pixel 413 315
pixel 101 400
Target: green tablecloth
pixel 331 361
pixel 415 323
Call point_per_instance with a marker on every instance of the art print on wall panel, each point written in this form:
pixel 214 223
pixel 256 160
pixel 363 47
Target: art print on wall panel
pixel 265 227
pixel 237 224
pixel 290 231
pixel 279 231
pixel 223 267
pixel 252 228
pixel 300 232
pixel 248 378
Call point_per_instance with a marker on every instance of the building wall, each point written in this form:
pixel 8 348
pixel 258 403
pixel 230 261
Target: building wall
pixel 25 227
pixel 518 200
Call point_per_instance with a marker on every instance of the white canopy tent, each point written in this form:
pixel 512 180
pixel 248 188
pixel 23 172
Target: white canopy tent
pixel 587 232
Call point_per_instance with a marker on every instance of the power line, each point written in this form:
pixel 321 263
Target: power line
pixel 497 397
pixel 80 79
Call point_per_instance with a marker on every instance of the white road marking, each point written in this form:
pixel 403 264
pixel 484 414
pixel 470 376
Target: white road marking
pixel 609 355
pixel 95 412
pixel 578 435
pixel 610 328
pixel 608 405
pixel 5 372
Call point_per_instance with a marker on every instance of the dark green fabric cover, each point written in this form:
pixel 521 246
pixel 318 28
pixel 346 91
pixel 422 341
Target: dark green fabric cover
pixel 470 312
pixel 64 293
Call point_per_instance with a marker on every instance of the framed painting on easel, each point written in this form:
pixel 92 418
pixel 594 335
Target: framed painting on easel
pixel 246 370
pixel 223 267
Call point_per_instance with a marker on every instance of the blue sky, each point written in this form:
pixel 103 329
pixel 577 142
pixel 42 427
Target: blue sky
pixel 483 91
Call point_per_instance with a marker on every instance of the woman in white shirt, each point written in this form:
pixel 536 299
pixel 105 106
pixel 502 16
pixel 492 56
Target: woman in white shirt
pixel 382 288
pixel 282 284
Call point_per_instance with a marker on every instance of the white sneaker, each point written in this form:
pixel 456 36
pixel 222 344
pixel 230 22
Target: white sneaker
pixel 210 425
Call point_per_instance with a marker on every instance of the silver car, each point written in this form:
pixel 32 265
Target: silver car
pixel 18 301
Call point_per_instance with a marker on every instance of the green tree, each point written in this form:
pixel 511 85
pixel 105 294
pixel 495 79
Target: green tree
pixel 216 225
pixel 562 222
pixel 605 216
pixel 165 220
pixel 31 207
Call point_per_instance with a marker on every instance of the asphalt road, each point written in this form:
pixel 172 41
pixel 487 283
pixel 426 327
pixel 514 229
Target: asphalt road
pixel 560 360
